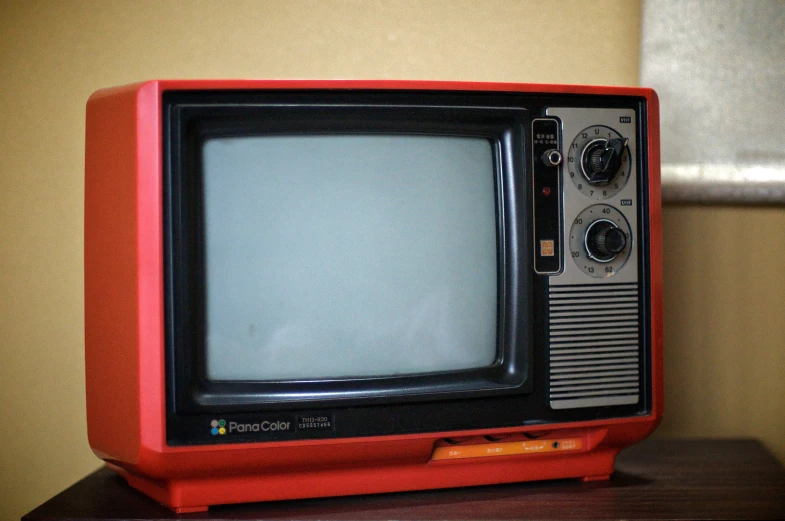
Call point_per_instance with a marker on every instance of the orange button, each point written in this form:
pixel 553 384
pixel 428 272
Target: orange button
pixel 509 448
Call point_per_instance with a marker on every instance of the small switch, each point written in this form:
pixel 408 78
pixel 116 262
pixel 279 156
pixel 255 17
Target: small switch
pixel 509 448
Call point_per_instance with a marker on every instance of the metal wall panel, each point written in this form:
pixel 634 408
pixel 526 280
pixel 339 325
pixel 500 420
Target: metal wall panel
pixel 719 69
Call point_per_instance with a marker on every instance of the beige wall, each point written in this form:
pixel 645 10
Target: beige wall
pixel 54 54
pixel 725 323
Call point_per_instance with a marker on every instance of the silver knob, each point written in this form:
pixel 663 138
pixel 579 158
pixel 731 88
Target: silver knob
pixel 552 157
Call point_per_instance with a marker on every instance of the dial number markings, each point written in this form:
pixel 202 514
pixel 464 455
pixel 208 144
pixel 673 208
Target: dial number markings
pixel 598 162
pixel 600 241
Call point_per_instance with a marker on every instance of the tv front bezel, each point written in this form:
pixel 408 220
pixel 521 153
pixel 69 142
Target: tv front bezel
pixel 191 118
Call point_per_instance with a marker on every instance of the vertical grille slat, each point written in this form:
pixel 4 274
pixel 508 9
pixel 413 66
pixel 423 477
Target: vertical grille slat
pixel 594 345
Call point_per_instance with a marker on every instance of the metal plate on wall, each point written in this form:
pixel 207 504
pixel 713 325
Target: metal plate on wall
pixel 719 70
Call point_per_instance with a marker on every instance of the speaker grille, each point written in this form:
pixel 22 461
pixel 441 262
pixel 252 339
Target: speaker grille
pixel 594 345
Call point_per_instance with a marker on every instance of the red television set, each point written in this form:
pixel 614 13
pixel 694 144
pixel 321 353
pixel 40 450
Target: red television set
pixel 316 288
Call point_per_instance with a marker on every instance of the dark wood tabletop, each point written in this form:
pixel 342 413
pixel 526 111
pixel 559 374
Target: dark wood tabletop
pixel 657 479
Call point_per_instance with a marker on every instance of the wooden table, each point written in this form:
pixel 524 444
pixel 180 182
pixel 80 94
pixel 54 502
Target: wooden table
pixel 657 479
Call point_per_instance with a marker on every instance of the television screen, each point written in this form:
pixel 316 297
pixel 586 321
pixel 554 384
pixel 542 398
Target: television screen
pixel 348 255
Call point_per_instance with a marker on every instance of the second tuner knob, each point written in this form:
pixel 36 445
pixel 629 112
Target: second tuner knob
pixel 604 240
pixel 600 240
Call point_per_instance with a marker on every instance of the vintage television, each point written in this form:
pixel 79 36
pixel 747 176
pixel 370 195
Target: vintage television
pixel 313 288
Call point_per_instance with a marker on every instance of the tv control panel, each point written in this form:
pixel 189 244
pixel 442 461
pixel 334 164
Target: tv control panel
pixel 595 322
pixel 585 195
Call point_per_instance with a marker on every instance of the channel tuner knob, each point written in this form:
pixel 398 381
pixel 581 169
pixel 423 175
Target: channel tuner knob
pixel 602 159
pixel 601 241
pixel 604 240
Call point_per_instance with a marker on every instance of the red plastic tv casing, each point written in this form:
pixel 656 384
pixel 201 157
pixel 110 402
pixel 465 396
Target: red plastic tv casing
pixel 124 337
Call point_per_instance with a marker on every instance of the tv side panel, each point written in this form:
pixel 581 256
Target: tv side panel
pixel 655 255
pixel 118 282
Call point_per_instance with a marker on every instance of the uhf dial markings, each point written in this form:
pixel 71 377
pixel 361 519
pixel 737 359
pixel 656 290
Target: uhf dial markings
pixel 598 162
pixel 600 240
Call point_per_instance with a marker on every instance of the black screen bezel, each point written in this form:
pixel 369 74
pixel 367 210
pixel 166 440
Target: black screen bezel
pixel 191 118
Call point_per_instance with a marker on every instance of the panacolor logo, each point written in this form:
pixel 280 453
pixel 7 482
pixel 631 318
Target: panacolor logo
pixel 220 427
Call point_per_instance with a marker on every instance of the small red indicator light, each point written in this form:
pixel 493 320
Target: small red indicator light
pixel 546 191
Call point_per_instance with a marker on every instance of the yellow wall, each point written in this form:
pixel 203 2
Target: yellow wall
pixel 54 54
pixel 725 323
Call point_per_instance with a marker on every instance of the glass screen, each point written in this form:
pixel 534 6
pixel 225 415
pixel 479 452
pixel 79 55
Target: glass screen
pixel 337 256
